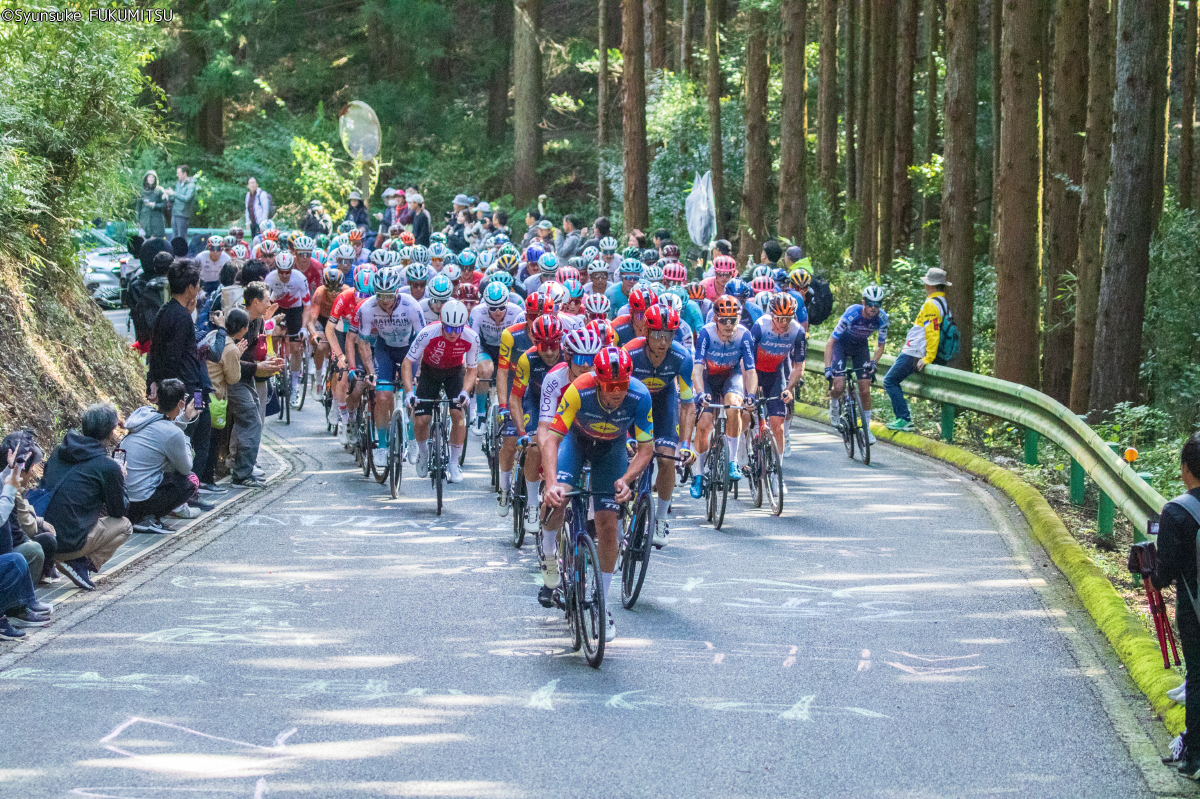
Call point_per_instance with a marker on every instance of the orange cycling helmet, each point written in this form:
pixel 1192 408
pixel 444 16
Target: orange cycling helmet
pixel 546 332
pixel 695 291
pixel 783 305
pixel 408 238
pixel 271 234
pixel 613 366
pixel 356 236
pixel 661 317
pixel 727 306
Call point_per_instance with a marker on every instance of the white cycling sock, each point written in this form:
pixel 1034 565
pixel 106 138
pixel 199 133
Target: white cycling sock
pixel 455 452
pixel 731 445
pixel 550 544
pixel 531 491
pixel 741 449
pixel 835 410
pixel 423 448
pixel 605 582
pixel 506 480
pixel 660 510
pixel 701 459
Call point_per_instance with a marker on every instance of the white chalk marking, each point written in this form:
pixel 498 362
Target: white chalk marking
pixel 542 697
pixel 801 711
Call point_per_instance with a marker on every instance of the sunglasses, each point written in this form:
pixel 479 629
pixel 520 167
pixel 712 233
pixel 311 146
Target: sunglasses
pixel 873 304
pixel 662 335
pixel 728 321
pixel 453 330
pixel 595 317
pixel 621 385
pixel 583 360
pixel 549 346
pixel 783 320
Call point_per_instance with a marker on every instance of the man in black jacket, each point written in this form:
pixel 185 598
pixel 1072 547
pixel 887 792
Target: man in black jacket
pixel 87 508
pixel 1177 530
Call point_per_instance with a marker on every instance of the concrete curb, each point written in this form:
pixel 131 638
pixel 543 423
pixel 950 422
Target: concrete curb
pixel 1137 649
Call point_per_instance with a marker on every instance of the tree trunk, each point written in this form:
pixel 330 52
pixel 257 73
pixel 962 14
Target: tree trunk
pixel 603 191
pixel 883 89
pixel 753 225
pixel 1064 168
pixel 527 101
pixel 905 116
pixel 997 25
pixel 1096 166
pixel 636 209
pixel 210 125
pixel 958 177
pixel 1188 111
pixel 931 114
pixel 793 124
pixel 1163 25
pixel 827 102
pixel 686 65
pixel 658 33
pixel 712 21
pixel 849 94
pixel 868 164
pixel 1130 222
pixel 502 36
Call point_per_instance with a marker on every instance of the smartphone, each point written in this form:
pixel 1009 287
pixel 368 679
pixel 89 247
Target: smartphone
pixel 197 399
pixel 119 456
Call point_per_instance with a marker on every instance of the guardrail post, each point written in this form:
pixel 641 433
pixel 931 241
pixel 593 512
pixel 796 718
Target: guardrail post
pixel 947 422
pixel 1106 509
pixel 1077 486
pixel 1031 447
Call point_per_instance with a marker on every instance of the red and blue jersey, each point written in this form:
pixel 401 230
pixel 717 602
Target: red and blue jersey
pixel 772 349
pixel 581 413
pixel 722 358
pixel 855 328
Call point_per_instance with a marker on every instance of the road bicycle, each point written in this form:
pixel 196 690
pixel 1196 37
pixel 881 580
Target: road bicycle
pixel 393 468
pixel 367 432
pixel 581 592
pixel 439 446
pixel 491 437
pixel 637 538
pixel 305 360
pixel 518 501
pixel 764 472
pixel 283 382
pixel 331 376
pixel 715 483
pixel 853 422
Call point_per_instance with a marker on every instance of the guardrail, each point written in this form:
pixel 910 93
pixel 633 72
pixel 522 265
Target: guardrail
pixel 1039 415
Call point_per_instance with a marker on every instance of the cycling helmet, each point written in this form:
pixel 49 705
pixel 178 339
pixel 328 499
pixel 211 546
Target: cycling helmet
pixel 574 288
pixel 613 365
pixel 783 305
pixel 507 262
pixel 608 245
pixel 453 272
pixel 407 238
pixel 467 294
pixel 558 293
pixel 228 241
pixel 438 251
pixel 503 278
pixel 437 238
pixel 331 276
pixel 454 314
pixel 670 252
pixel 533 253
pixel 649 257
pixel 546 332
pixel 485 260
pixel 590 254
pixel 671 300
pixel 416 273
pixel 575 262
pixel 738 288
pixel 658 288
pixel 548 263
pixel 780 276
pixel 583 341
pixel 355 236
pixel 538 304
pixel 800 278
pixel 364 280
pixel 236 232
pixel 724 265
pixel 495 295
pixel 641 299
pixel 675 272
pixel 240 252
pixel 726 306
pixel 322 241
pixel 566 273
pixel 596 305
pixel 653 273
pixel 271 234
pixel 508 248
pixel 268 225
pixel 758 284
pixel 760 270
pixel 597 266
pixel 662 317
pixel 345 227
pixel 304 244
pixel 631 266
pixel 500 240
pixel 763 300
pixel 631 254
pixel 420 254
pixel 873 294
pixel 466 259
pixel 387 281
pixel 285 261
pixel 381 258
pixel 439 289
pixel 695 290
pixel 343 253
pixel 339 240
pixel 404 251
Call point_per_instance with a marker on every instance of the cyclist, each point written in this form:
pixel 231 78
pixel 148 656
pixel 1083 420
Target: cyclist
pixel 800 280
pixel 631 325
pixel 573 307
pixel 467 263
pixel 513 341
pixel 305 263
pixel 547 265
pixel 597 272
pixel 289 290
pixel 778 341
pixel 416 276
pixel 724 368
pixel 597 413
pixel 448 354
pixel 507 263
pixel 674 273
pixel 618 295
pixel 596 306
pixel 687 335
pixel 342 316
pixel 524 402
pixel 265 253
pixel 724 270
pixel 849 341
pixel 665 367
pixel 608 254
pixel 355 239
pixel 316 317
pixel 740 290
pixel 383 331
pixel 437 293
pixel 689 310
pixel 343 258
pixel 489 320
pixel 438 253
pixel 529 262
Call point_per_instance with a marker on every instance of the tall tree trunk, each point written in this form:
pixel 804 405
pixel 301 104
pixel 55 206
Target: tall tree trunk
pixel 603 190
pixel 883 88
pixel 1096 166
pixel 210 125
pixel 712 21
pixel 636 209
pixel 905 116
pixel 502 36
pixel 995 29
pixel 1064 156
pixel 1122 305
pixel 868 163
pixel 752 229
pixel 1018 209
pixel 827 102
pixel 527 101
pixel 658 33
pixel 932 25
pixel 793 124
pixel 850 96
pixel 1187 120
pixel 958 176
pixel 686 65
pixel 1163 23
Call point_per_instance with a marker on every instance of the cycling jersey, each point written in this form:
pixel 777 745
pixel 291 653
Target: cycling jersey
pixel 534 282
pixel 515 338
pixel 344 312
pixel 711 292
pixel 691 315
pixel 290 294
pixel 433 348
pixel 772 350
pixel 572 321
pixel 581 414
pixel 430 315
pixel 676 365
pixel 490 331
pixel 311 271
pixel 554 385
pixel 855 327
pixel 721 359
pixel 527 384
pixel 395 329
pixel 323 301
pixel 618 299
pixel 801 308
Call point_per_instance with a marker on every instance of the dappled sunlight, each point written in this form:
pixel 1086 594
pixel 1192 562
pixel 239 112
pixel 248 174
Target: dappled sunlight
pixel 196 764
pixel 8 774
pixel 329 663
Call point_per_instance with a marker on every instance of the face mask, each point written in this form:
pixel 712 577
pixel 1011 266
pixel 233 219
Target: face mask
pixel 391 203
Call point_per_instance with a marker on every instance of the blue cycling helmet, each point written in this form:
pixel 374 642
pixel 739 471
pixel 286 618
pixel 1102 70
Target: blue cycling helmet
pixel 780 276
pixel 548 263
pixel 416 273
pixel 467 258
pixel 738 288
pixel 631 266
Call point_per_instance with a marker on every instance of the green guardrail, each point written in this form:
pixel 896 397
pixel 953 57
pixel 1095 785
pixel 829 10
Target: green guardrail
pixel 1041 416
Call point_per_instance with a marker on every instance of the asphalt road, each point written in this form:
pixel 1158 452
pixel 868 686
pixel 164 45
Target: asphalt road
pixel 894 634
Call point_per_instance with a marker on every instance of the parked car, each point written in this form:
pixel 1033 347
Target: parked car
pixel 106 265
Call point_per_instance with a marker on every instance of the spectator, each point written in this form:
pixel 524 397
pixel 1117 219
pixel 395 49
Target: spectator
pixel 356 212
pixel 86 504
pixel 600 228
pixel 772 252
pixel 499 224
pixel 230 295
pixel 183 205
pixel 173 353
pixel 461 202
pixel 404 212
pixel 461 231
pixel 1177 528
pixel 31 536
pixel 661 236
pixel 391 201
pixel 244 413
pixel 568 243
pixel 158 460
pixel 150 208
pixel 636 238
pixel 532 218
pixel 316 221
pixel 920 346
pixel 422 225
pixel 258 207
pixel 545 235
pixel 152 282
pixel 225 350
pixel 19 604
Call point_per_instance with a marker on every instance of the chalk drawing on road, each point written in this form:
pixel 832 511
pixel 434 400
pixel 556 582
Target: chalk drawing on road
pixel 94 681
pixel 801 711
pixel 181 750
pixel 156 792
pixel 542 698
pixel 934 669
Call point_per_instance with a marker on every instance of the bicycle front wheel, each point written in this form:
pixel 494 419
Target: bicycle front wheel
pixel 635 553
pixel 589 601
pixel 369 437
pixel 755 473
pixel 863 435
pixel 395 465
pixel 721 489
pixel 773 476
pixel 518 508
pixel 303 382
pixel 849 422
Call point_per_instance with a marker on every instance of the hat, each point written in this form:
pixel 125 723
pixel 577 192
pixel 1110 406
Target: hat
pixel 544 224
pixel 314 203
pixel 485 207
pixel 388 192
pixel 794 253
pixel 936 277
pixel 416 198
pixel 354 195
pixel 462 200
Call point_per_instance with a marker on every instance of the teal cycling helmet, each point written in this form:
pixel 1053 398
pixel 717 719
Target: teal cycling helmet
pixel 364 280
pixel 632 266
pixel 416 273
pixel 467 259
pixel 439 289
pixel 495 295
pixel 503 278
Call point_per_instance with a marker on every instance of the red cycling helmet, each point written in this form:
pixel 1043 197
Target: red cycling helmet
pixel 604 329
pixel 670 251
pixel 566 273
pixel 271 234
pixel 641 299
pixel 467 294
pixel 538 304
pixel 727 306
pixel 613 366
pixel 546 332
pixel 725 265
pixel 661 317
pixel 408 238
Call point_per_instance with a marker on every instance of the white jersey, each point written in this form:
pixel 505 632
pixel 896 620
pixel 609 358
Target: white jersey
pixel 572 321
pixel 430 315
pixel 554 385
pixel 292 293
pixel 489 330
pixel 688 337
pixel 432 347
pixel 534 282
pixel 396 329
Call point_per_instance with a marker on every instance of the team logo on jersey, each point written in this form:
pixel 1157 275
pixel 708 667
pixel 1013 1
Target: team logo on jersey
pixel 603 428
pixel 655 384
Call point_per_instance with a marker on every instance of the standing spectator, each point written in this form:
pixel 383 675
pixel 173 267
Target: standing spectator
pixel 244 413
pixel 499 224
pixel 544 236
pixel 532 218
pixel 258 207
pixel 404 213
pixel 1177 530
pixel 316 221
pixel 87 505
pixel 184 202
pixel 636 238
pixel 458 229
pixel 567 244
pixel 391 199
pixel 151 206
pixel 661 236
pixel 920 346
pixel 224 370
pixel 421 223
pixel 601 228
pixel 356 212
pixel 173 352
pixel 158 459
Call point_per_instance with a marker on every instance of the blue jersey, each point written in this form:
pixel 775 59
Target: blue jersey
pixel 677 363
pixel 801 308
pixel 580 412
pixel 771 349
pixel 855 328
pixel 618 298
pixel 720 358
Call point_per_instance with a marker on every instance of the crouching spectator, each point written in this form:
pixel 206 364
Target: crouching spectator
pixel 31 536
pixel 20 606
pixel 158 459
pixel 85 496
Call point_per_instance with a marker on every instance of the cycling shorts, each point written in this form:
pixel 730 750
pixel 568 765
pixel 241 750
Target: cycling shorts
pixel 294 319
pixel 846 353
pixel 488 351
pixel 431 380
pixel 531 406
pixel 387 365
pixel 608 459
pixel 321 322
pixel 718 387
pixel 665 413
pixel 771 383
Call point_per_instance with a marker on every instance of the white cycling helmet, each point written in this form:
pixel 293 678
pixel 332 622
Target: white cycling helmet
pixel 304 244
pixel 653 273
pixel 284 261
pixel 343 253
pixel 590 254
pixel 454 314
pixel 597 266
pixel 381 258
pixel 495 295
pixel 548 263
pixel 608 245
pixel 557 292
pixel 387 281
pixel 873 294
pixel 420 254
pixel 439 289
pixel 668 300
pixel 763 300
pixel 596 304
pixel 452 271
pixel 583 341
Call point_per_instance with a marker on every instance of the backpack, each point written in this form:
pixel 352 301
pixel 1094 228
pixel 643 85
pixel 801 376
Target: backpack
pixel 949 341
pixel 270 206
pixel 1192 506
pixel 818 300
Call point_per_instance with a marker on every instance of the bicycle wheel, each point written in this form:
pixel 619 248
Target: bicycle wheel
pixel 773 475
pixel 635 552
pixel 589 601
pixel 283 387
pixel 303 381
pixel 395 467
pixel 566 589
pixel 755 473
pixel 437 469
pixel 721 496
pixel 863 435
pixel 369 437
pixel 849 417
pixel 517 508
pixel 709 481
pixel 327 398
